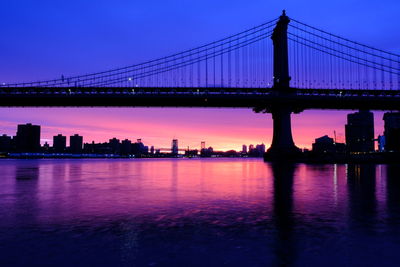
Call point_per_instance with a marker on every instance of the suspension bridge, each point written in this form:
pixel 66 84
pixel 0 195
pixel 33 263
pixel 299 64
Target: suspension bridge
pixel 245 70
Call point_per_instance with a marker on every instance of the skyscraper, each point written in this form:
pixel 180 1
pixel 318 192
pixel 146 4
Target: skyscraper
pixel 360 131
pixel 59 143
pixel 392 131
pixel 174 149
pixel 244 149
pixel 75 144
pixel 28 138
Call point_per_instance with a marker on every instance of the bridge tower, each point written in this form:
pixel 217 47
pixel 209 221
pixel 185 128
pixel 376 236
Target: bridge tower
pixel 282 146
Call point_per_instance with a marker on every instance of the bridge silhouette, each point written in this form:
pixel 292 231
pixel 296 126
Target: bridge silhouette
pixel 245 70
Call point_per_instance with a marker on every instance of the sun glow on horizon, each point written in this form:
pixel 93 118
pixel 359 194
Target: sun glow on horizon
pixel 222 129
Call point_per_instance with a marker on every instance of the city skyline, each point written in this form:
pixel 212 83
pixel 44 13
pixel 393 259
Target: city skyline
pixel 59 142
pixel 231 136
pixel 359 137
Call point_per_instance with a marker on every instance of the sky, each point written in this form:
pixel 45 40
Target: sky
pixel 45 39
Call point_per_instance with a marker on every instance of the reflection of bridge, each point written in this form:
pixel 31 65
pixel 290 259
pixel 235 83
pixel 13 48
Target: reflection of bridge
pixel 329 72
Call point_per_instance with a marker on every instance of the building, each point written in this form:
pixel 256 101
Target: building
pixel 5 143
pixel 28 138
pixel 257 151
pixel 260 149
pixel 89 148
pixel 126 147
pixel 174 148
pixel 323 144
pixel 76 144
pixel 59 143
pixel 191 153
pixel 152 150
pixel 244 149
pixel 115 146
pixel 360 131
pixel 207 152
pixel 392 131
pixel 99 148
pixel 139 149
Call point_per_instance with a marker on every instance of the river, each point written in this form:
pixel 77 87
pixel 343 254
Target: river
pixel 197 212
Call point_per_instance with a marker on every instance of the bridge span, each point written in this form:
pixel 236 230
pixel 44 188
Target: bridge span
pixel 259 99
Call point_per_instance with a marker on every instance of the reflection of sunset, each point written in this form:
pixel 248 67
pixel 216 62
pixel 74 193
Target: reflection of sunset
pixel 64 189
pixel 248 203
pixel 223 129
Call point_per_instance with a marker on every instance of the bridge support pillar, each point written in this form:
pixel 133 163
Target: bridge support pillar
pixel 282 147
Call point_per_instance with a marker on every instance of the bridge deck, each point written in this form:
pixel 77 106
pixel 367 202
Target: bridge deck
pixel 198 97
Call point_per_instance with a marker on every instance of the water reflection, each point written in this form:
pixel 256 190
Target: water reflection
pixel 26 209
pixel 23 172
pixel 393 196
pixel 283 212
pixel 361 185
pixel 197 212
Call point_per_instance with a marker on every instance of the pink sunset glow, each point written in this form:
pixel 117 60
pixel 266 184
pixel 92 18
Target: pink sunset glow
pixel 223 129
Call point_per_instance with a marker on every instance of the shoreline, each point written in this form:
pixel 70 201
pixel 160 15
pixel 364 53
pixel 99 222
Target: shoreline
pixel 303 157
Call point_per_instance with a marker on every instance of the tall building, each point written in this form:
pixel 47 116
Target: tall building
pixel 59 143
pixel 28 138
pixel 115 146
pixel 244 149
pixel 174 148
pixel 203 145
pixel 392 131
pixel 5 143
pixel 76 144
pixel 126 147
pixel 360 131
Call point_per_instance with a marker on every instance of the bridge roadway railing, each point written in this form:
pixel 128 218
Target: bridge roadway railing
pixel 35 91
pixel 257 98
pixel 131 91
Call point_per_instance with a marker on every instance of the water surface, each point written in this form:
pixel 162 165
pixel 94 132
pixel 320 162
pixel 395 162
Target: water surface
pixel 197 212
